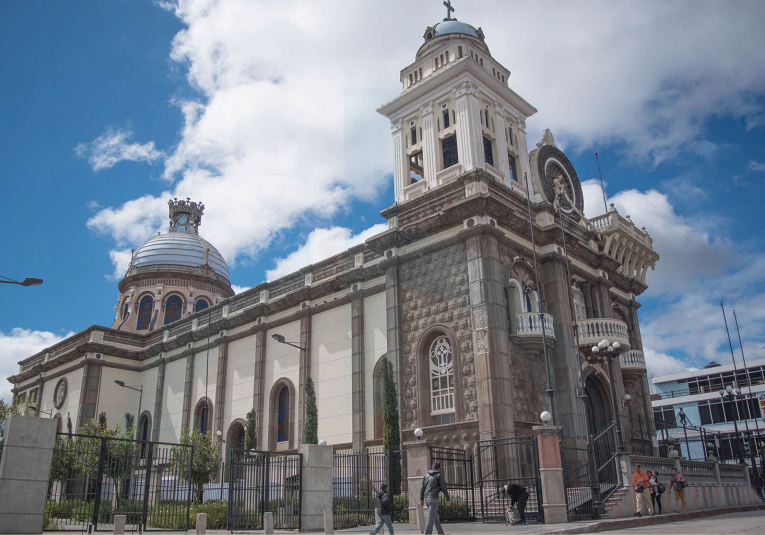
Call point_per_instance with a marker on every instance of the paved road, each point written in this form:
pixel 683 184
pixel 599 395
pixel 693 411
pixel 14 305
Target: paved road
pixel 733 524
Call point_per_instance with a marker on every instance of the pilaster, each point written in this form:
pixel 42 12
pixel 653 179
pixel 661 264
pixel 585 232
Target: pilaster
pixel 501 158
pixel 358 373
pixel 186 417
pixel 258 393
pixel 91 386
pixel 305 367
pixel 429 145
pixel 220 388
pixel 399 160
pixel 158 400
pixel 494 387
pixel 393 323
pixel 586 291
pixel 464 130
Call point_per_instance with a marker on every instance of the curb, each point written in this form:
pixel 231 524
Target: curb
pixel 625 523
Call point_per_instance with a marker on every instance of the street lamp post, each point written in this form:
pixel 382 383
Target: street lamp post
pixel 279 338
pixel 731 393
pixel 26 282
pixel 610 352
pixel 140 399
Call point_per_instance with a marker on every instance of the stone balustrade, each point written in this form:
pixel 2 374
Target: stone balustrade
pixel 632 359
pixel 527 331
pixel 625 243
pixel 592 331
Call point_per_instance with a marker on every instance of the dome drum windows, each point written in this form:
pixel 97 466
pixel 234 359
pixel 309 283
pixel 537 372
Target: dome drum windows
pixel 145 308
pixel 201 304
pixel 173 309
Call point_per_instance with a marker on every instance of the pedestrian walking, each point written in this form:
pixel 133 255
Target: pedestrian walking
pixel 384 510
pixel 518 496
pixel 656 490
pixel 678 484
pixel 433 484
pixel 642 492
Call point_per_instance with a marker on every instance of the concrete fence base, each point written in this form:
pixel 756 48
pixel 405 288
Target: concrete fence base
pixel 201 523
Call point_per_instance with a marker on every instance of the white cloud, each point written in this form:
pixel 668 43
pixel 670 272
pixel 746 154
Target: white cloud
pixel 754 165
pixel 661 363
pixel 18 345
pixel 121 261
pixel 239 289
pixel 688 254
pixel 114 146
pixel 276 134
pixel 321 243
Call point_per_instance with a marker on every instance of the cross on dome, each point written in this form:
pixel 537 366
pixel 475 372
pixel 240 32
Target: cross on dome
pixel 449 10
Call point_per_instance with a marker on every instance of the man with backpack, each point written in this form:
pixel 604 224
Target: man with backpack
pixel 518 496
pixel 433 484
pixel 384 510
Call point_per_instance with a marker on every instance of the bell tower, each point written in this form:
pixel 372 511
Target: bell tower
pixel 456 112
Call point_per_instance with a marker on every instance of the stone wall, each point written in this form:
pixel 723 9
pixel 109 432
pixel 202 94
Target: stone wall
pixel 434 291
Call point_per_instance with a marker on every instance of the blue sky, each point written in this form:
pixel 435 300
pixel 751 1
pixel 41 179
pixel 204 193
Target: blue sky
pixel 265 112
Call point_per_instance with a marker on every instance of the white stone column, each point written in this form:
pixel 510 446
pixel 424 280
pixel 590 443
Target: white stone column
pixel 429 145
pixel 503 164
pixel 316 486
pixel 463 127
pixel 476 128
pixel 400 167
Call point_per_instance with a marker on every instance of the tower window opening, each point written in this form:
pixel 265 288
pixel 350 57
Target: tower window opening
pixel 442 60
pixel 411 79
pixel 488 155
pixel 480 113
pixel 481 62
pixel 125 310
pixel 503 78
pixel 493 71
pixel 446 119
pixel 447 56
pixel 492 125
pixel 510 129
pixel 513 171
pixel 414 136
pixel 486 116
pixel 420 73
pixel 416 170
pixel 471 54
pixel 449 150
pixel 459 52
pixel 173 309
pixel 144 313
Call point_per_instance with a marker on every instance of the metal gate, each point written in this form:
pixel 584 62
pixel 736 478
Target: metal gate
pixel 94 478
pixel 457 469
pixel 503 461
pixel 606 456
pixel 262 481
pixel 577 483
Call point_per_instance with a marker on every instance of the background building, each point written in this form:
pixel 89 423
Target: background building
pixel 690 404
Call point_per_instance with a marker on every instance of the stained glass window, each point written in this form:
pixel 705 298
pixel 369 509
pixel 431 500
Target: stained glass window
pixel 284 419
pixel 144 313
pixel 173 307
pixel 441 381
pixel 201 305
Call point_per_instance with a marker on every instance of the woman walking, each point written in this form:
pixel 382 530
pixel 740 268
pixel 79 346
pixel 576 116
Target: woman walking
pixel 678 484
pixel 656 490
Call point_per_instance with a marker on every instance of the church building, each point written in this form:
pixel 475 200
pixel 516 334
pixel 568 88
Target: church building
pixel 448 293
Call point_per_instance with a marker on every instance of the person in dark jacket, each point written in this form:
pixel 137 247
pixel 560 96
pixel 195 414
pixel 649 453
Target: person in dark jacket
pixel 433 484
pixel 384 510
pixel 518 496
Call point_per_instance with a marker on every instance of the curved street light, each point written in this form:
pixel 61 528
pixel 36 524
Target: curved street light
pixel 26 282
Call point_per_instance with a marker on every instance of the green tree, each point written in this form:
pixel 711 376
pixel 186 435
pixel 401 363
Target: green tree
pixel 251 425
pixel 205 463
pixel 7 409
pixel 311 435
pixel 391 433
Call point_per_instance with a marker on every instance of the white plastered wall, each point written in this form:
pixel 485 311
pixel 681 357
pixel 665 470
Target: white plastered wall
pixel 331 370
pixel 375 345
pixel 239 380
pixel 203 375
pixel 172 401
pixel 282 361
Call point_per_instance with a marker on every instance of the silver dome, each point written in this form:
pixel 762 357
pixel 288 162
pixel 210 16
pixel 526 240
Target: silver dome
pixel 454 26
pixel 180 249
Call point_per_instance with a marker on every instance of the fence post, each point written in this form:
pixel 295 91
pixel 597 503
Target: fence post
pixel 551 473
pixel 24 473
pixel 201 526
pixel 417 465
pixel 316 486
pixel 99 481
pixel 147 487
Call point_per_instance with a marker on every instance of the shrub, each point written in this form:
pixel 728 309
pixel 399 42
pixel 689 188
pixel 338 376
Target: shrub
pixel 459 510
pixel 401 508
pixel 217 514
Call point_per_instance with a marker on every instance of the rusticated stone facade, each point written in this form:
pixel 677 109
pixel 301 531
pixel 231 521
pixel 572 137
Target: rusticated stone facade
pixel 434 292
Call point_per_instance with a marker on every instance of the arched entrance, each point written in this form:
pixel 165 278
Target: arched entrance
pixel 596 406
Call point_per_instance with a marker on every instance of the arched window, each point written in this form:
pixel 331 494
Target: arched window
pixel 173 309
pixel 201 304
pixel 283 421
pixel 143 432
pixel 125 310
pixel 203 415
pixel 235 443
pixel 144 312
pixel 441 381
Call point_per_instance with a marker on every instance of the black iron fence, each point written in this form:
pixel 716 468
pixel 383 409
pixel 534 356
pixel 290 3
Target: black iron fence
pixel 457 469
pixel 503 461
pixel 94 478
pixel 577 483
pixel 605 453
pixel 261 481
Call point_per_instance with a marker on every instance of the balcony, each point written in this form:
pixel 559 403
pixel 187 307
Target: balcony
pixel 594 330
pixel 632 363
pixel 528 330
